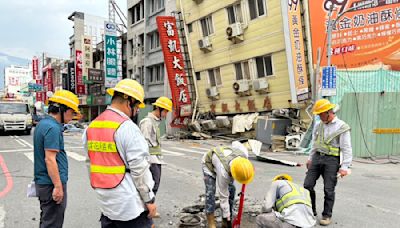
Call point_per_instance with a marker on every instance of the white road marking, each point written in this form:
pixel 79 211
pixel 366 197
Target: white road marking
pixel 171 153
pixel 20 143
pixel 15 150
pixel 188 150
pixel 201 148
pixel 29 156
pixel 2 216
pixel 76 156
pixel 24 142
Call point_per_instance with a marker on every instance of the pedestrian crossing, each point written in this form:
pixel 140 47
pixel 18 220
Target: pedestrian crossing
pixel 78 154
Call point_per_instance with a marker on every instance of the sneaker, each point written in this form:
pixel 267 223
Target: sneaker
pixel 325 221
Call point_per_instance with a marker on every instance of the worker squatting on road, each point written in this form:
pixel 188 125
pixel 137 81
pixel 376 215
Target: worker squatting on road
pixel 332 144
pixel 118 153
pixel 286 205
pixel 221 165
pixel 50 159
pixel 151 132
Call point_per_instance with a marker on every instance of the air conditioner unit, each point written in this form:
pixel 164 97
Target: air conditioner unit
pixel 241 86
pixel 212 92
pixel 205 44
pixel 260 84
pixel 235 31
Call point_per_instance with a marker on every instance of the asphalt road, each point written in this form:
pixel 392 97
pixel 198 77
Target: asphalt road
pixel 367 198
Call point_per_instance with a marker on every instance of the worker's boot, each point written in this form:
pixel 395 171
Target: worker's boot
pixel 211 221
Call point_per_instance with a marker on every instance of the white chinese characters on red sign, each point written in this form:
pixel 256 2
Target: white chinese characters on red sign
pixel 175 68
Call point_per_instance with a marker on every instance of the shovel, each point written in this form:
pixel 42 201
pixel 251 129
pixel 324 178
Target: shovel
pixel 237 220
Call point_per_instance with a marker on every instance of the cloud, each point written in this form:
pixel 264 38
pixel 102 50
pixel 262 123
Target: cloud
pixel 43 25
pixel 4 59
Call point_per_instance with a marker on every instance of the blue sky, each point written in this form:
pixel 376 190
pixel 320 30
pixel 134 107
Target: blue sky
pixel 30 27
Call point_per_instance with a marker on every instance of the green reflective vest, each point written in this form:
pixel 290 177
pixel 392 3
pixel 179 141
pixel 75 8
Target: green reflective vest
pixel 324 145
pixel 298 195
pixel 154 150
pixel 224 158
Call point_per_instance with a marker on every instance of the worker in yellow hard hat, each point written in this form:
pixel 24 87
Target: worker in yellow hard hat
pixel 151 131
pixel 286 205
pixel 119 168
pixel 51 163
pixel 330 155
pixel 221 165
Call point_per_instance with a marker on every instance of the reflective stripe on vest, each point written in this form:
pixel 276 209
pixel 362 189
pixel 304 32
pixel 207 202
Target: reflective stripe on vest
pixel 107 169
pixel 298 195
pixel 324 145
pixel 225 159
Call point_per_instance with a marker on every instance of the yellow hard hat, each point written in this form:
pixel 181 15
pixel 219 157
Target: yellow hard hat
pixel 282 176
pixel 131 88
pixel 321 106
pixel 164 102
pixel 242 170
pixel 66 98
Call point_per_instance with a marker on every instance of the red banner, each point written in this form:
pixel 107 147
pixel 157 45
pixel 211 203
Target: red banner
pixel 174 63
pixel 35 68
pixel 80 86
pixel 50 86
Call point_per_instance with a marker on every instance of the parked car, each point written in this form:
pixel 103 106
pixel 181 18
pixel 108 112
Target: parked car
pixel 70 128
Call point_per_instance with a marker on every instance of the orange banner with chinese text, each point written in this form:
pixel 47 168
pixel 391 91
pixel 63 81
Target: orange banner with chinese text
pixel 366 37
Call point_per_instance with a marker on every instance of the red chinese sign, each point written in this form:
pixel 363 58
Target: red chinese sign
pixel 174 63
pixel 35 68
pixel 50 86
pixel 80 86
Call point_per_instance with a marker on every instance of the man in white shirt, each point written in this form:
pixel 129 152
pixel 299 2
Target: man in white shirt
pixel 332 141
pixel 119 167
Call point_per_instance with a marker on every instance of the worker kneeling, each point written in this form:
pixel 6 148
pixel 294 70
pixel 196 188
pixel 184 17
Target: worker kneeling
pixel 221 166
pixel 286 205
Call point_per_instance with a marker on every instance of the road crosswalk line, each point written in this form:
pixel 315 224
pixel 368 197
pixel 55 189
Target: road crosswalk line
pixel 76 156
pixel 172 153
pixel 29 156
pixel 188 150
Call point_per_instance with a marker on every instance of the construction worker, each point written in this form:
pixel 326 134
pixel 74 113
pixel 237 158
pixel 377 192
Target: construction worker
pixel 221 165
pixel 50 159
pixel 119 167
pixel 151 132
pixel 286 205
pixel 332 141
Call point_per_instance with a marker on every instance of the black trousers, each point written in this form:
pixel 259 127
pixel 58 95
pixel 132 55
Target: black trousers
pixel 327 167
pixel 52 214
pixel 141 221
pixel 155 170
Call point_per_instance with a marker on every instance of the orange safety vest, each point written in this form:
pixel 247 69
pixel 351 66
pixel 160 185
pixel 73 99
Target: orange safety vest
pixel 107 169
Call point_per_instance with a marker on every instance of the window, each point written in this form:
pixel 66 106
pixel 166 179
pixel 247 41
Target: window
pixel 198 76
pixel 214 77
pixel 242 70
pixel 154 40
pixel 264 66
pixel 141 43
pixel 156 5
pixel 156 73
pixel 257 8
pixel 137 12
pixel 190 27
pixel 207 25
pixel 130 46
pixel 234 14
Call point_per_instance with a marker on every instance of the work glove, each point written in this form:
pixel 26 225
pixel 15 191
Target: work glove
pixel 226 223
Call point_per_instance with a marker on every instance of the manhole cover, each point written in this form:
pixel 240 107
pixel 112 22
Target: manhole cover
pixel 190 220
